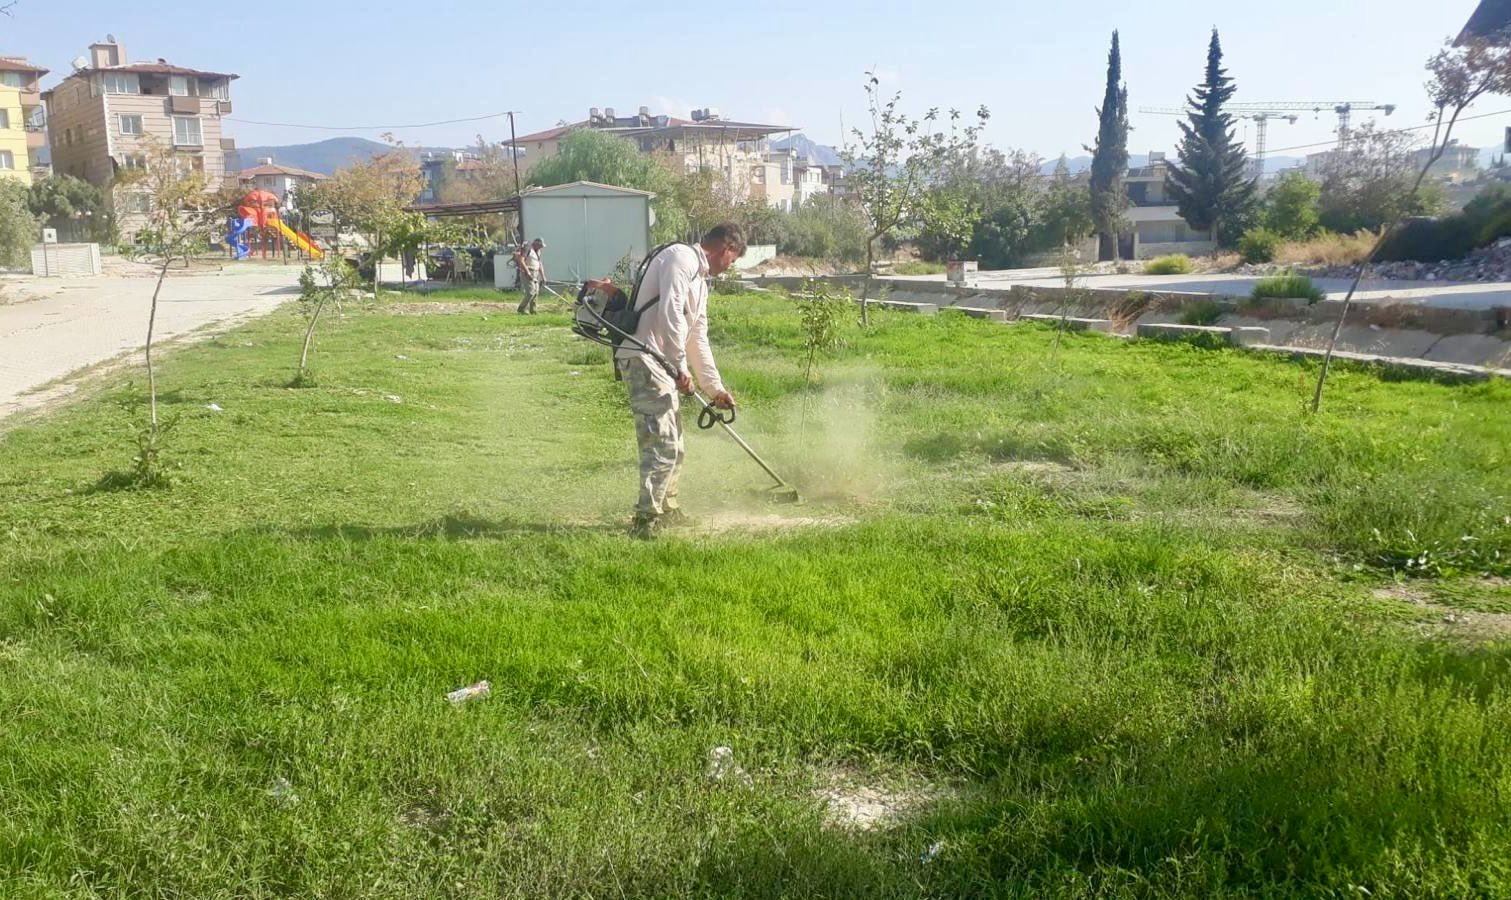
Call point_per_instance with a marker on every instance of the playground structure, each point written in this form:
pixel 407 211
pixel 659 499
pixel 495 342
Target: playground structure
pixel 257 214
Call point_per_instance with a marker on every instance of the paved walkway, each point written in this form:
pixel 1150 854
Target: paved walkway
pixel 73 323
pixel 1453 295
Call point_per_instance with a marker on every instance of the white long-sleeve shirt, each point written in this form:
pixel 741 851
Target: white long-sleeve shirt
pixel 677 327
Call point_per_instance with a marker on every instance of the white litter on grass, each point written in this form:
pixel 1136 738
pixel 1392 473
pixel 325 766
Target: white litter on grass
pixel 400 356
pixel 282 792
pixel 933 851
pixel 852 804
pixel 722 766
pixel 393 398
pixel 214 407
pixel 470 692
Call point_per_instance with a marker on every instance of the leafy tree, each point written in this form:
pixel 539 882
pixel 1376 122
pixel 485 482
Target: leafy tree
pixel 18 226
pixel 1064 211
pixel 825 227
pixel 982 201
pixel 1291 207
pixel 184 217
pixel 589 155
pixel 1210 184
pixel 1460 76
pixel 331 282
pixel 489 174
pixel 893 164
pixel 1372 182
pixel 1109 157
pixel 63 201
pixel 369 198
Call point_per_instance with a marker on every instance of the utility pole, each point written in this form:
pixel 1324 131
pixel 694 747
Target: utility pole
pixel 519 206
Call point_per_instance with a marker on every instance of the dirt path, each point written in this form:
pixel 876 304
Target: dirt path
pixel 75 324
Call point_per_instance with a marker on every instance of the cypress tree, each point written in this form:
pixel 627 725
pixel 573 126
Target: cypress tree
pixel 1109 158
pixel 1211 183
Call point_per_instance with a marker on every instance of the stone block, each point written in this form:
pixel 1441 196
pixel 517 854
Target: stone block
pixel 1072 323
pixel 923 309
pixel 1205 335
pixel 995 315
pixel 1248 335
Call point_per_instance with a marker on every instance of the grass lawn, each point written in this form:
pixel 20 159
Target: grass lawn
pixel 1124 623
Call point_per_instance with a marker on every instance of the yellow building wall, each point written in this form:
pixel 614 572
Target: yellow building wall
pixel 13 138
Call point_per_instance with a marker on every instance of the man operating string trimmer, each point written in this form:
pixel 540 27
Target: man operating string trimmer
pixel 673 306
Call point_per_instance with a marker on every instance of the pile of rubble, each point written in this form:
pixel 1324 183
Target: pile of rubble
pixel 1491 263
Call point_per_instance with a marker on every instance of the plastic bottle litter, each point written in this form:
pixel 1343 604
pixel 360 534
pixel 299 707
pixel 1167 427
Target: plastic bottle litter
pixel 282 792
pixel 721 765
pixel 470 692
pixel 393 398
pixel 214 407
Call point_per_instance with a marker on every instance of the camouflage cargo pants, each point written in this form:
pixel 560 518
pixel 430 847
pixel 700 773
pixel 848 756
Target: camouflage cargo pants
pixel 658 431
pixel 530 283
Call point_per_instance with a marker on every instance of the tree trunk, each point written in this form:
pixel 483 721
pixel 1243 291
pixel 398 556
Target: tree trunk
pixel 377 262
pixel 162 273
pixel 1438 150
pixel 309 334
pixel 865 291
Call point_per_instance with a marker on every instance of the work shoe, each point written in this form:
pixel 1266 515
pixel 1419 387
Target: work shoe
pixel 645 527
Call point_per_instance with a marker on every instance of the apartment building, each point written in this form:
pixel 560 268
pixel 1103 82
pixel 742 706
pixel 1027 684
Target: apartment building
pixel 21 117
pixel 739 152
pixel 281 181
pixel 105 117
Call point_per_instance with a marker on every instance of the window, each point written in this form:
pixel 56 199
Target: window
pixel 219 90
pixel 131 124
pixel 122 83
pixel 178 86
pixel 133 161
pixel 4 119
pixel 7 160
pixel 186 132
pixel 186 163
pixel 140 204
pixel 11 79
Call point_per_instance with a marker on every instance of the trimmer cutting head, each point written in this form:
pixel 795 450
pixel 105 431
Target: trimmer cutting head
pixel 782 495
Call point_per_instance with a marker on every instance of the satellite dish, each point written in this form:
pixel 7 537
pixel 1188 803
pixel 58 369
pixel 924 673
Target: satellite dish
pixel 80 63
pixel 110 39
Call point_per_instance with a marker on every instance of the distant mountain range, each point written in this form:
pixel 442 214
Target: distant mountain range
pixel 823 154
pixel 327 156
pixel 324 157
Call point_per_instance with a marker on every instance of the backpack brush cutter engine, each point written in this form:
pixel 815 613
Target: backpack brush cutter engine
pixel 602 320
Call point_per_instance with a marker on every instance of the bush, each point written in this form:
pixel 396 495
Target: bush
pixel 18 227
pixel 1204 312
pixel 824 228
pixel 1430 240
pixel 1179 264
pixel 1259 245
pixel 1328 249
pixel 918 267
pixel 1290 207
pixel 1288 287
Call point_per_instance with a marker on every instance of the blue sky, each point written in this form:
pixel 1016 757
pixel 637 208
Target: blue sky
pixel 1039 67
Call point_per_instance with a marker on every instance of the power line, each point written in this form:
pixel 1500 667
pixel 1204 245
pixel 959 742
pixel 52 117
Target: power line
pixel 366 127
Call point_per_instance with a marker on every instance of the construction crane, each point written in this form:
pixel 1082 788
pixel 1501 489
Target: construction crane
pixel 1261 114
